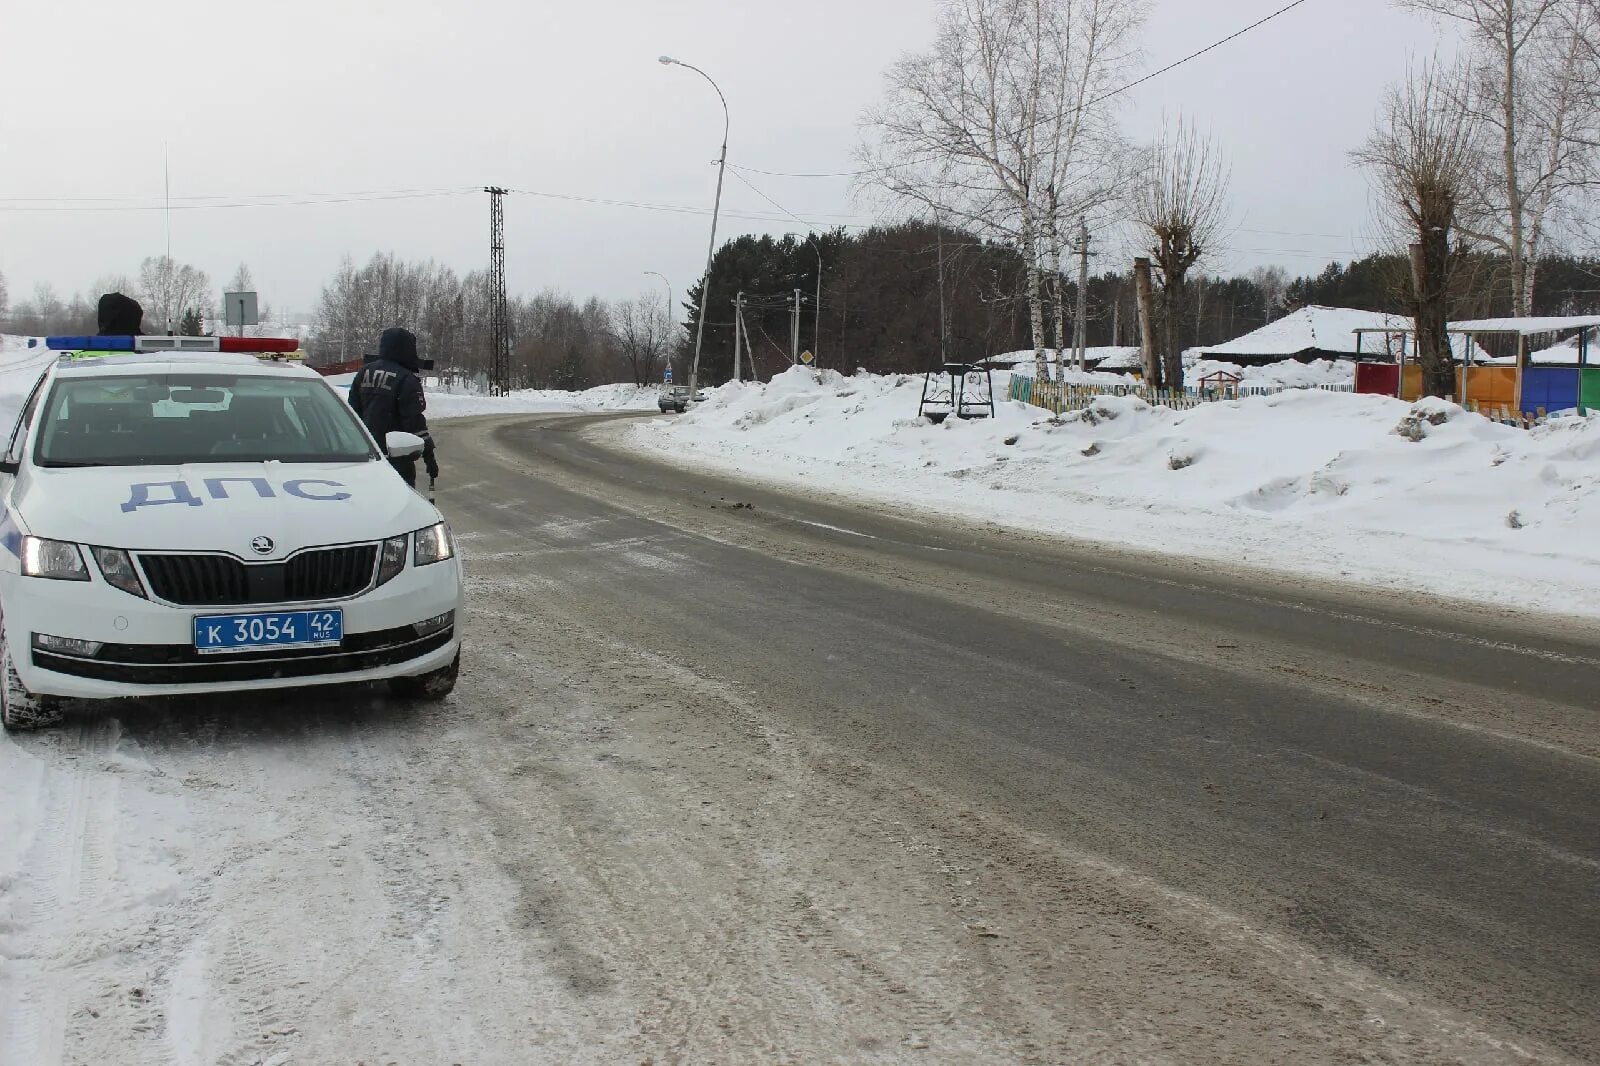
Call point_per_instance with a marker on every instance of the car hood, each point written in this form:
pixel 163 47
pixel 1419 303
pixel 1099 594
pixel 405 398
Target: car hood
pixel 220 507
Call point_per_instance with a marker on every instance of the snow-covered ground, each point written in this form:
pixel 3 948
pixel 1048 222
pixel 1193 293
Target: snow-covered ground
pixel 1304 481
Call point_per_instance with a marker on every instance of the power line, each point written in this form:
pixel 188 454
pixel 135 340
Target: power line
pixel 223 205
pixel 240 196
pixel 1097 100
pixel 1297 233
pixel 1284 10
pixel 773 202
pixel 669 208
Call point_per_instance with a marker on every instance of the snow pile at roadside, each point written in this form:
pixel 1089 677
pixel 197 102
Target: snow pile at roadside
pixel 20 367
pixel 1303 481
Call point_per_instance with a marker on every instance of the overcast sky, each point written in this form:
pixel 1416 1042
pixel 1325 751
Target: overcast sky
pixel 309 99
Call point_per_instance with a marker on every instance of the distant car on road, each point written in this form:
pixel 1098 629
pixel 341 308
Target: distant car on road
pixel 677 398
pixel 176 523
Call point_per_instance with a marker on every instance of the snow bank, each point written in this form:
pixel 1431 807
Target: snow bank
pixel 1303 481
pixel 20 367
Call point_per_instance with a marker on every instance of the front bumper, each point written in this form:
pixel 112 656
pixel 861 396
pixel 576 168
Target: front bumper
pixel 148 647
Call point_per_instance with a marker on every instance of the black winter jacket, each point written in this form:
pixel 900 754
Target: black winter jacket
pixel 387 393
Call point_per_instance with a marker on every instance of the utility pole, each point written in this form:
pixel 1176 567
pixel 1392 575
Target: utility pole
pixel 738 331
pixel 1147 337
pixel 794 331
pixel 499 319
pixel 1081 341
pixel 816 325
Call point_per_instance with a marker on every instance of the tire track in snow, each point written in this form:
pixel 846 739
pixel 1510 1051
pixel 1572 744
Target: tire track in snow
pixel 62 868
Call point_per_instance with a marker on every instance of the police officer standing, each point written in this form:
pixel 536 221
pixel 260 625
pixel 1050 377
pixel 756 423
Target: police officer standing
pixel 387 394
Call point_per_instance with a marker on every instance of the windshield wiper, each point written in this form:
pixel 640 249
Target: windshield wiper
pixel 61 464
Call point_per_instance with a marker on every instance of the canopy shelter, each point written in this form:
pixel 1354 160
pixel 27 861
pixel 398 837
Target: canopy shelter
pixel 1565 375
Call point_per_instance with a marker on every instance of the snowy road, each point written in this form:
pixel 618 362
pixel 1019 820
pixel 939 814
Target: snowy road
pixel 793 782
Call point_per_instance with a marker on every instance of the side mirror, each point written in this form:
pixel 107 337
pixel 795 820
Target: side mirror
pixel 403 445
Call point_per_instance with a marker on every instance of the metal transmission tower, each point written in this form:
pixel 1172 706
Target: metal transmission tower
pixel 499 319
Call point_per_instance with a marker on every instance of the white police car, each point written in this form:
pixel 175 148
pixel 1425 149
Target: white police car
pixel 177 518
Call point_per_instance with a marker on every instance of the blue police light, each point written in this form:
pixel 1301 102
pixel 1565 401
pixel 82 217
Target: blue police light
pixel 89 344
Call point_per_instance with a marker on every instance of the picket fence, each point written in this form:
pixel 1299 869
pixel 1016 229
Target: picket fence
pixel 1059 398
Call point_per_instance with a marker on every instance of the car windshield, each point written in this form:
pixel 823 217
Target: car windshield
pixel 168 419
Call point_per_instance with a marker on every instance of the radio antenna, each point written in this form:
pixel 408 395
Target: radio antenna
pixel 166 180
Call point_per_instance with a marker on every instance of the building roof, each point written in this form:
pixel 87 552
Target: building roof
pixel 1527 327
pixel 1120 356
pixel 1315 328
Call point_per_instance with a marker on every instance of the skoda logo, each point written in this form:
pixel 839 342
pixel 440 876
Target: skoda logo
pixel 262 545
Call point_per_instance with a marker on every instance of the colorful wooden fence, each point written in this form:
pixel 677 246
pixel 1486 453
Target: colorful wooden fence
pixel 1493 390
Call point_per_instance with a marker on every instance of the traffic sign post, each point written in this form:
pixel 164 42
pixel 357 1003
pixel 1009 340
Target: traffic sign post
pixel 806 358
pixel 239 309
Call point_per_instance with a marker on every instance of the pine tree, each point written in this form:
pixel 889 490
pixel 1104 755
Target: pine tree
pixel 191 325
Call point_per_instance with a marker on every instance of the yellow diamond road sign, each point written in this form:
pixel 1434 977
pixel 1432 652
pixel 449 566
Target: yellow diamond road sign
pixel 807 358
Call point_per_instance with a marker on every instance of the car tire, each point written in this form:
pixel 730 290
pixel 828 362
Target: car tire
pixel 432 686
pixel 21 710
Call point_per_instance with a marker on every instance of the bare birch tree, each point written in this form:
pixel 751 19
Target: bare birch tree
pixel 1535 93
pixel 993 127
pixel 641 329
pixel 1182 200
pixel 1424 161
pixel 169 289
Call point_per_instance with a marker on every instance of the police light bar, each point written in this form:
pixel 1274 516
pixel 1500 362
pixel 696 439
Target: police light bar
pixel 175 344
pixel 89 344
pixel 257 345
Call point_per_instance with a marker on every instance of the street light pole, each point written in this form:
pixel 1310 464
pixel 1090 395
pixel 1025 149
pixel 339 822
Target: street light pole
pixel 705 282
pixel 668 284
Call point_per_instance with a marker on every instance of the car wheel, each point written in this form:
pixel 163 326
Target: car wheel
pixel 20 709
pixel 430 686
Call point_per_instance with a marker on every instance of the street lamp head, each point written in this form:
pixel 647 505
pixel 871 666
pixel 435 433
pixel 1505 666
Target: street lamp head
pixel 668 61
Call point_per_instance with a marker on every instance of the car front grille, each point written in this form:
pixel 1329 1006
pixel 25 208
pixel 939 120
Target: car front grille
pixel 223 581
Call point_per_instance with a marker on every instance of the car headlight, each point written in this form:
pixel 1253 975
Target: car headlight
pixel 393 558
pixel 433 544
pixel 116 566
pixel 56 559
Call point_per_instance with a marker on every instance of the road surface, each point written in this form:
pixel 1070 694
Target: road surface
pixel 736 776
